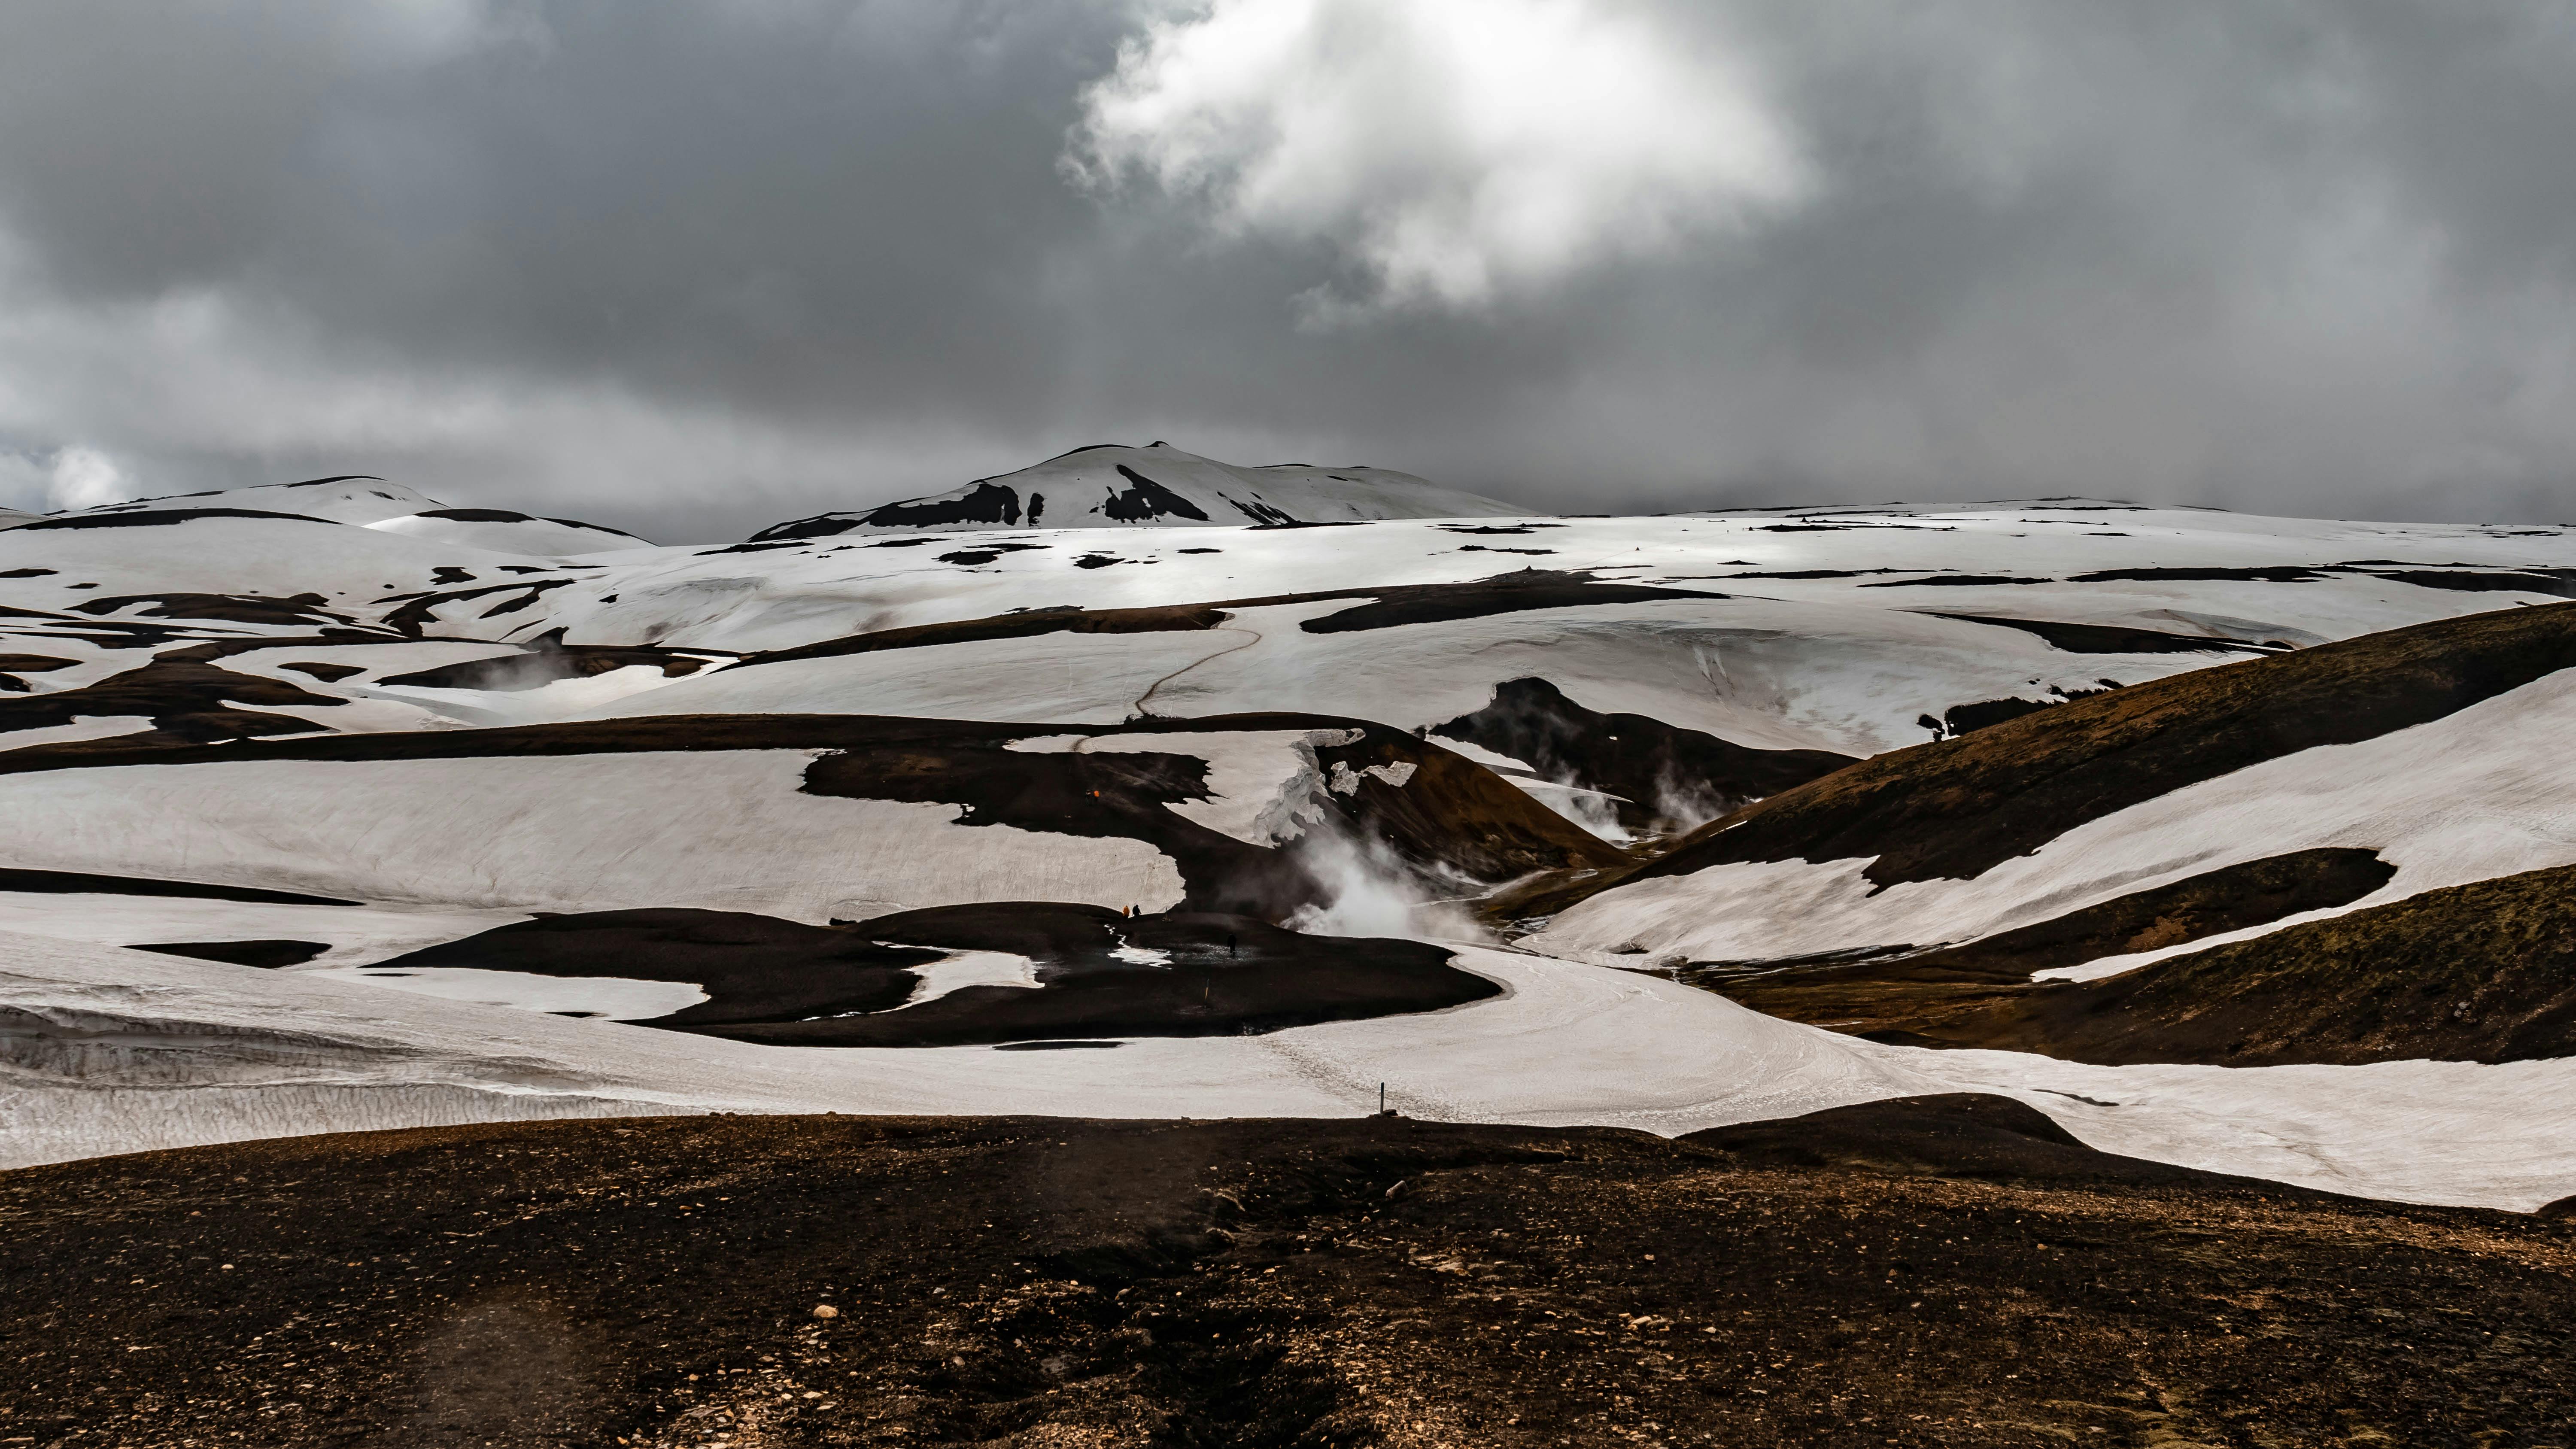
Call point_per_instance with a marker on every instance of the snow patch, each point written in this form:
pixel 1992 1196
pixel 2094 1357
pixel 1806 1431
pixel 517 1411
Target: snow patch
pixel 613 997
pixel 970 968
pixel 82 727
pixel 716 829
pixel 1594 810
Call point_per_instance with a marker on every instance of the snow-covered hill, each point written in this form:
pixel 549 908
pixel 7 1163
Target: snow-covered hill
pixel 2466 795
pixel 366 502
pixel 320 726
pixel 1109 485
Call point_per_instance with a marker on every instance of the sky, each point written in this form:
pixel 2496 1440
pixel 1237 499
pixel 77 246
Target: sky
pixel 692 268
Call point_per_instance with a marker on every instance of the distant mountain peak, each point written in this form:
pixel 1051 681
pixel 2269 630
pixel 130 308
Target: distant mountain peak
pixel 1117 485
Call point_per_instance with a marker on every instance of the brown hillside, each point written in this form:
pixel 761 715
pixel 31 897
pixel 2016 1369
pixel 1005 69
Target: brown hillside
pixel 1958 807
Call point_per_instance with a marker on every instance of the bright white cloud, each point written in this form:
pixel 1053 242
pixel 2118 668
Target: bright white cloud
pixel 1455 150
pixel 85 478
pixel 60 478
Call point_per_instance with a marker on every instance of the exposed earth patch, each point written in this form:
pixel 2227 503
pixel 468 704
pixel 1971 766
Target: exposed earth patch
pixel 2484 972
pixel 1096 973
pixel 1663 776
pixel 1980 993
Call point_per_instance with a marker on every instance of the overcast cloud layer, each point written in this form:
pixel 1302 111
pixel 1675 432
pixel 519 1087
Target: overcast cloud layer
pixel 689 268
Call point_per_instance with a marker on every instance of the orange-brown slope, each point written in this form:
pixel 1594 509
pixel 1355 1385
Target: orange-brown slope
pixel 1958 807
pixel 2484 972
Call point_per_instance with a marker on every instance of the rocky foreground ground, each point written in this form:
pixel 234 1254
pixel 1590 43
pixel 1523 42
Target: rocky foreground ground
pixel 1944 1271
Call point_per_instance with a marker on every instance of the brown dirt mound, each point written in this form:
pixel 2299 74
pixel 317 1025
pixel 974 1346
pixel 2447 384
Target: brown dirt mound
pixel 1960 1134
pixel 1031 1282
pixel 1452 816
pixel 33 663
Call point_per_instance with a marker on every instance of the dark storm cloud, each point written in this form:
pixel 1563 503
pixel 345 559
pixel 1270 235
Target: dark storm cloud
pixel 693 267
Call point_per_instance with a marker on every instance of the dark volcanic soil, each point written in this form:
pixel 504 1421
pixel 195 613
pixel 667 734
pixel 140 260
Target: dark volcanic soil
pixel 753 968
pixel 2484 972
pixel 791 984
pixel 187 700
pixel 1665 777
pixel 1383 608
pixel 2114 639
pixel 1951 1271
pixel 270 954
pixel 1966 995
pixel 546 659
pixel 1225 976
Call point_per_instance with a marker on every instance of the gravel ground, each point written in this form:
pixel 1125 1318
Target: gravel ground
pixel 1940 1271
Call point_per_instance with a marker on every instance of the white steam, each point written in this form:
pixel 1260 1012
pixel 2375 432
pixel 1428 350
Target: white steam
pixel 1369 892
pixel 1686 804
pixel 1594 810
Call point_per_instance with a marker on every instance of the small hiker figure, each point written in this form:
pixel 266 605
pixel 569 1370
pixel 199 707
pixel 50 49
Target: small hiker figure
pixel 1229 943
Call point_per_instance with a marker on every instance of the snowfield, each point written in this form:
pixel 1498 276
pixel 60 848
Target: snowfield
pixel 160 662
pixel 117 1051
pixel 720 830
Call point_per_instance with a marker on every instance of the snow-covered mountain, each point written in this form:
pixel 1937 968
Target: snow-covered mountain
pixel 1888 769
pixel 367 503
pixel 1110 485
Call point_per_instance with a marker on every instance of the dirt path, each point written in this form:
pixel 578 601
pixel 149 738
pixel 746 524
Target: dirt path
pixel 1144 701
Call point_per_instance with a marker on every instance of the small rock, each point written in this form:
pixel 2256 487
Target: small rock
pixel 826 1310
